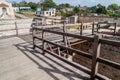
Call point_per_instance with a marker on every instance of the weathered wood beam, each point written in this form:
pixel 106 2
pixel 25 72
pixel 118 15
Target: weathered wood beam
pixel 109 63
pixel 96 54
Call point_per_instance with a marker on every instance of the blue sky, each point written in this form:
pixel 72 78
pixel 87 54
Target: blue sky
pixel 81 2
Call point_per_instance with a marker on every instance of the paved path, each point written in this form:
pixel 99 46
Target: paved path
pixel 18 61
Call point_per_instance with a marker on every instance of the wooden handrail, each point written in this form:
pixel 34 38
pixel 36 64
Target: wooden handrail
pixel 95 58
pixel 67 34
pixel 108 62
pixel 110 42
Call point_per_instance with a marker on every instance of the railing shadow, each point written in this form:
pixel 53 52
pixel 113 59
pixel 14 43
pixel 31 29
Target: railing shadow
pixel 26 49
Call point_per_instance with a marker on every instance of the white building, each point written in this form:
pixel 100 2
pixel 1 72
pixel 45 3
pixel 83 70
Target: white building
pixel 16 9
pixel 6 10
pixel 67 9
pixel 50 12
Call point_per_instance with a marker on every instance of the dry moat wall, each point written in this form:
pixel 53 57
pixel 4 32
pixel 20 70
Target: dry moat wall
pixel 99 19
pixel 107 51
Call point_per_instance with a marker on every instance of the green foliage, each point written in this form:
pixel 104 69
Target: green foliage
pixel 112 10
pixel 66 5
pixel 23 4
pixel 49 4
pixel 113 14
pixel 33 5
pixel 113 7
pixel 101 9
pixel 76 10
pixel 66 14
pixel 20 12
pixel 74 27
pixel 93 9
pixel 58 14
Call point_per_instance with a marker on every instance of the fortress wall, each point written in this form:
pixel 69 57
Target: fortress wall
pixel 98 19
pixel 107 52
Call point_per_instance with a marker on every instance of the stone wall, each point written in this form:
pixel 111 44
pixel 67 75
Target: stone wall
pixel 9 27
pixel 111 53
pixel 85 46
pixel 107 51
pixel 98 19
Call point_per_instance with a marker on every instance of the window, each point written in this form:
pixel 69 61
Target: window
pixel 52 12
pixel 46 12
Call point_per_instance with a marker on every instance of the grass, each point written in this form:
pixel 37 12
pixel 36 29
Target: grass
pixel 17 17
pixel 29 14
pixel 74 27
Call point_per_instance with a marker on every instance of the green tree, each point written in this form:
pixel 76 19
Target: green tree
pixel 48 4
pixel 23 4
pixel 113 7
pixel 101 9
pixel 113 14
pixel 33 5
pixel 67 14
pixel 66 5
pixel 93 9
pixel 76 10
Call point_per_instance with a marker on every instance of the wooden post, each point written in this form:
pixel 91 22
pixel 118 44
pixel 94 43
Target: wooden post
pixel 81 28
pixel 93 26
pixel 16 28
pixel 43 42
pixel 33 34
pixel 55 21
pixel 45 21
pixel 52 21
pixel 64 36
pixel 96 54
pixel 59 51
pixel 97 28
pixel 50 47
pixel 115 29
pixel 37 23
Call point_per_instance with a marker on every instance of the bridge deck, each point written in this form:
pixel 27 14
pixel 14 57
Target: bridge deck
pixel 18 61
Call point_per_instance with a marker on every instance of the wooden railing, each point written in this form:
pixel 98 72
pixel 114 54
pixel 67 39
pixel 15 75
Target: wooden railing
pixel 15 28
pixel 98 27
pixel 95 57
pixel 51 21
pixel 95 25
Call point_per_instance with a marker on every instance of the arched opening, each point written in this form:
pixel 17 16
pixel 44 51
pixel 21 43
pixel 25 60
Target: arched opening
pixel 4 11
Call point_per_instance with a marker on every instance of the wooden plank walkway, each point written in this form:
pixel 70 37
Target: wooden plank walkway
pixel 18 61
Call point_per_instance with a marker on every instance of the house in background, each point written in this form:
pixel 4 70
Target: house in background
pixel 49 12
pixel 17 9
pixel 6 10
pixel 67 9
pixel 25 8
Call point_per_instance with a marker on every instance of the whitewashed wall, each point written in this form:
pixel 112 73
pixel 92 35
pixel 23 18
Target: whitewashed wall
pixel 8 27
